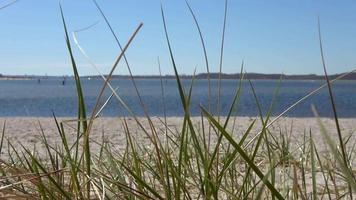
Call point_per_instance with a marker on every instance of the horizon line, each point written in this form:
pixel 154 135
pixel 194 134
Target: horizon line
pixel 165 75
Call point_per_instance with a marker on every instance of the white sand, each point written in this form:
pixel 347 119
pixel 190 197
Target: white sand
pixel 27 130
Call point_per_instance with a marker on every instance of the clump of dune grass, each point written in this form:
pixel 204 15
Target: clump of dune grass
pixel 204 160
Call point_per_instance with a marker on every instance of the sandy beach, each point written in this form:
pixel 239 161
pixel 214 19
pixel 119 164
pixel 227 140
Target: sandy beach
pixel 27 130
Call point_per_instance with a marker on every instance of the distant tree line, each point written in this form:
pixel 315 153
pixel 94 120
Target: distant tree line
pixel 261 76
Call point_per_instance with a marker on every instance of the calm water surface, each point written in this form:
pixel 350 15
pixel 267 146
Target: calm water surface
pixel 29 98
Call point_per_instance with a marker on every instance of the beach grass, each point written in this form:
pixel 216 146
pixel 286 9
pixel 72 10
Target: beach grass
pixel 203 159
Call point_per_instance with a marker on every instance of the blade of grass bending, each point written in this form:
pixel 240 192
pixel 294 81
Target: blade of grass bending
pixel 236 99
pixel 110 75
pixel 82 123
pixel 312 160
pixel 204 49
pixel 163 100
pixel 205 180
pixel 81 104
pixel 127 65
pixel 264 129
pixel 243 155
pixel 264 122
pixel 231 157
pixel 106 102
pixel 29 166
pixel 4 187
pixel 47 146
pixel 322 171
pixel 21 181
pixel 221 61
pixel 180 87
pixel 344 168
pixel 260 113
pixel 142 182
pixel 86 136
pixel 8 4
pixel 232 107
pixel 50 178
pixel 82 51
pixel 152 127
pixel 136 168
pixel 121 101
pixel 41 189
pixel 166 164
pixel 92 64
pixel 2 136
pixel 298 102
pixel 258 104
pixel 12 149
pixel 125 187
pixel 342 144
pixel 270 171
pixel 73 164
pixel 182 95
pixel 276 165
pixel 184 136
pixel 206 64
pixel 168 184
pixel 124 55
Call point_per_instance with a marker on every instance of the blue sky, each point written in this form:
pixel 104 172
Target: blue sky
pixel 270 36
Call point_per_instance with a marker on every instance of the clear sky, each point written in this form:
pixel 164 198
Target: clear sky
pixel 270 36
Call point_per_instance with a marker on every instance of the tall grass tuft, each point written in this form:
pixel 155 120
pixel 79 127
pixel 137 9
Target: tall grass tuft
pixel 205 157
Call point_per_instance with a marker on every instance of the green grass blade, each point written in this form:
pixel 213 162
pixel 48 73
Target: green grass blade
pixel 143 183
pixel 221 60
pixel 231 157
pixel 243 155
pixel 342 144
pixel 311 93
pixel 60 189
pixel 312 160
pixel 2 136
pixel 204 50
pixel 73 164
pixel 323 173
pixel 82 123
pixel 344 168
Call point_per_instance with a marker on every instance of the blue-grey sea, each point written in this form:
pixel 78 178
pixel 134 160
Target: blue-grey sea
pixel 31 98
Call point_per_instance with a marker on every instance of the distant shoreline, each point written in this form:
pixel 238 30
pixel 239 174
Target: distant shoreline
pixel 213 76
